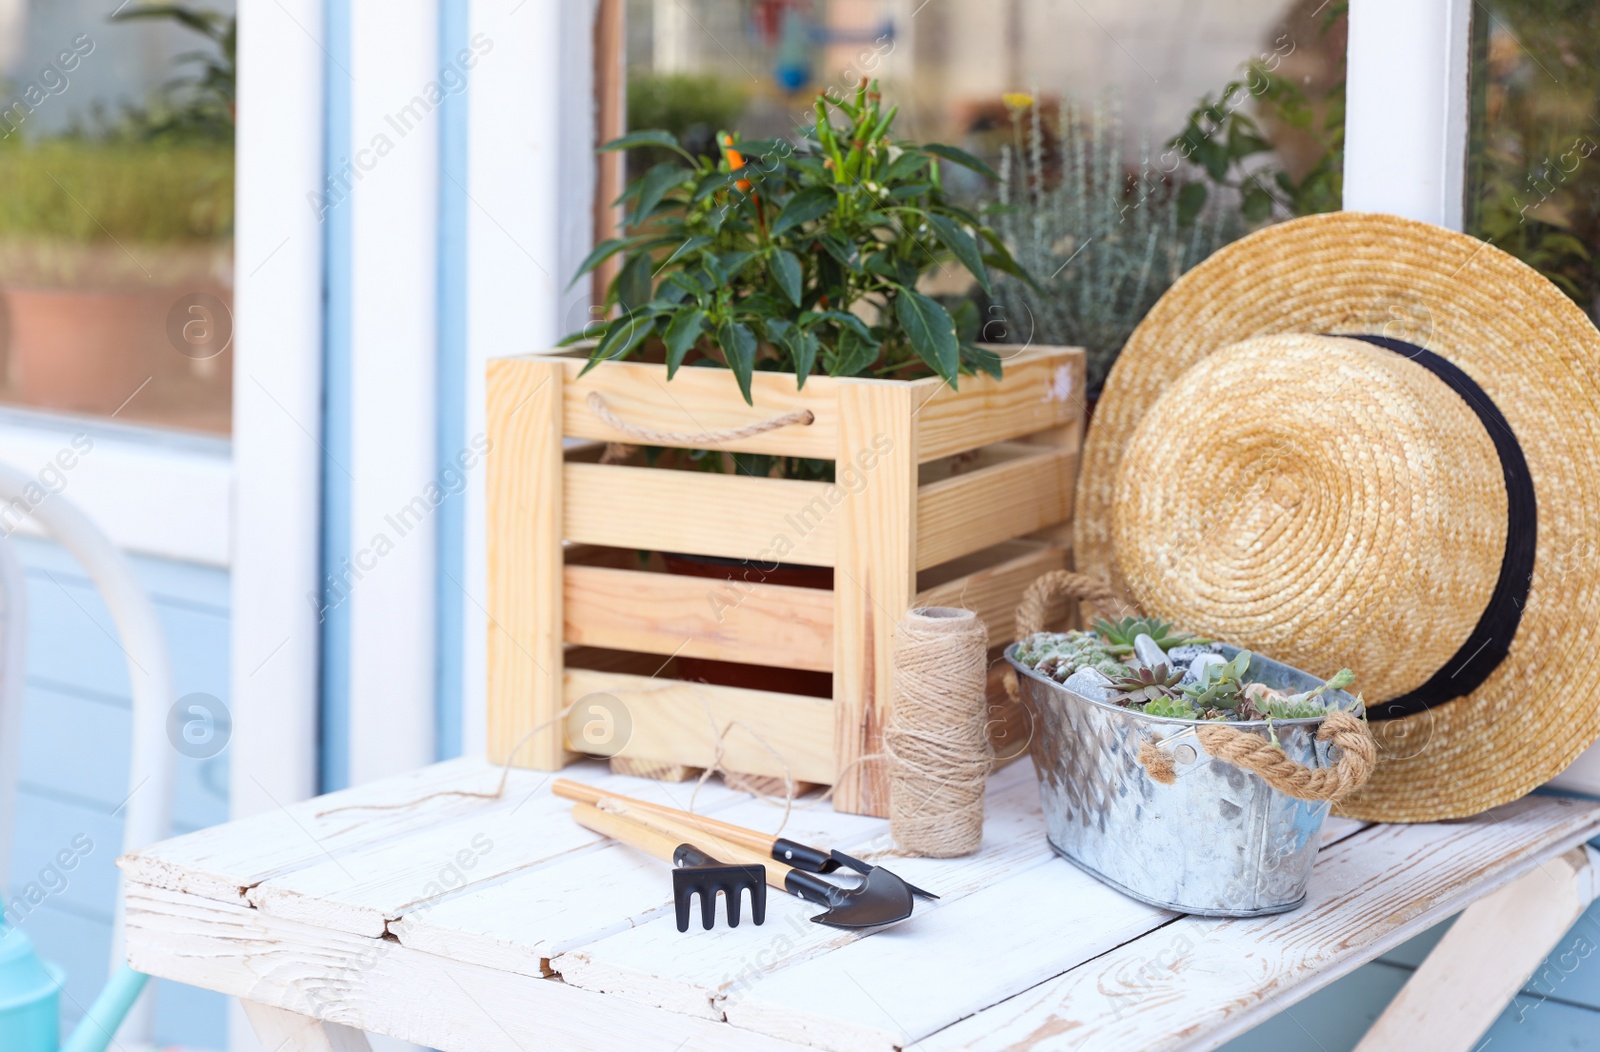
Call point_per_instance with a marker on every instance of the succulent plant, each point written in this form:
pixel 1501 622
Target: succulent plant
pixel 1219 686
pixel 1120 635
pixel 1060 654
pixel 1178 708
pixel 1145 683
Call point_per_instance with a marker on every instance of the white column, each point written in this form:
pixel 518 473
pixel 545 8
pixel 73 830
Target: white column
pixel 394 481
pixel 530 167
pixel 277 406
pixel 1406 108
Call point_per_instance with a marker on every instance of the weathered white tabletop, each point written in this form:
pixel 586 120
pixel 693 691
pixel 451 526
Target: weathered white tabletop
pixel 475 925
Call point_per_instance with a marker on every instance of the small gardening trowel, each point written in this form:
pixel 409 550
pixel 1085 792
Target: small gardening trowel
pixel 789 852
pixel 879 898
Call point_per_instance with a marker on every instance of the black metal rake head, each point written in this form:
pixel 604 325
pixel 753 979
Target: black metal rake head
pixel 697 872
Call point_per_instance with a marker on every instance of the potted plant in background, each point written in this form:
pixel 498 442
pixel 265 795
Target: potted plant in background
pixel 104 233
pixel 792 397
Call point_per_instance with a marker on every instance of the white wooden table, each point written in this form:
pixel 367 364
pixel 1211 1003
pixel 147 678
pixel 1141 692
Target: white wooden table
pixel 475 925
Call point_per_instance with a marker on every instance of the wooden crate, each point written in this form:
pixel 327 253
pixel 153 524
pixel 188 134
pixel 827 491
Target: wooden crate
pixel 958 498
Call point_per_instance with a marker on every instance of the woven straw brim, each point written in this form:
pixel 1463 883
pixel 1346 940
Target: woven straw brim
pixel 1531 350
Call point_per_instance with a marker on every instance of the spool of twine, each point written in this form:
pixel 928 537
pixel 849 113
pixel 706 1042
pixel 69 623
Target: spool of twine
pixel 937 739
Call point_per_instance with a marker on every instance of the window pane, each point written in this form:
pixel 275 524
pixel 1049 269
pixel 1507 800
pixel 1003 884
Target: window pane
pixel 1133 138
pixel 1533 161
pixel 116 210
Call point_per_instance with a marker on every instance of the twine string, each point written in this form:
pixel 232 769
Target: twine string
pixel 937 739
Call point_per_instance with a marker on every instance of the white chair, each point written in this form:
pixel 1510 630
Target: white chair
pixel 147 814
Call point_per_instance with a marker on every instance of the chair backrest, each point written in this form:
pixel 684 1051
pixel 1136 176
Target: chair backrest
pixel 13 660
pixel 147 812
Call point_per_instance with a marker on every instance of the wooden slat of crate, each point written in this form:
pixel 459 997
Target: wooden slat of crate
pixel 979 509
pixel 679 721
pixel 700 617
pixel 734 516
pixel 1042 389
pixel 874 581
pixel 697 400
pixel 993 591
pixel 524 561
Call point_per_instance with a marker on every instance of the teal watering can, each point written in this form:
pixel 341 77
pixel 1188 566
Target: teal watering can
pixel 30 1009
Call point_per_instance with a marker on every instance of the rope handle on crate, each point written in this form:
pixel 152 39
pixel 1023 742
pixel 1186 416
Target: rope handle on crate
pixel 1359 754
pixel 1061 584
pixel 597 405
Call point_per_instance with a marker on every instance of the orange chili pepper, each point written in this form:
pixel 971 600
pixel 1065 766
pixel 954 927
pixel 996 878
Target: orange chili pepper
pixel 735 162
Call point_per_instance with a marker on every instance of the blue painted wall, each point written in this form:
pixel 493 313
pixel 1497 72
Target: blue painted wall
pixel 74 774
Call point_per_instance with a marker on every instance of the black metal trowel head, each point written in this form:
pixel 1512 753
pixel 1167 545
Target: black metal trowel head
pixel 880 898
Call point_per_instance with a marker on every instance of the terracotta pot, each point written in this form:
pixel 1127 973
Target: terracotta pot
pixel 77 349
pixel 754 677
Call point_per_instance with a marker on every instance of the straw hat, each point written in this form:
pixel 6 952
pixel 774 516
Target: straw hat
pixel 1358 440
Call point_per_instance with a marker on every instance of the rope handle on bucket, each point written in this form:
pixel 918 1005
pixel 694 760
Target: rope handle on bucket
pixel 1062 584
pixel 1350 733
pixel 597 405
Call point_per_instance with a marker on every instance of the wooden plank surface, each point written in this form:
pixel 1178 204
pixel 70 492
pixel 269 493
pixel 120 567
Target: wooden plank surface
pixel 223 862
pixel 874 580
pixel 362 890
pixel 1042 388
pixel 1197 982
pixel 700 617
pixel 524 572
pixel 766 733
pixel 698 513
pixel 580 898
pixel 701 400
pixel 381 987
pixel 994 591
pixel 982 508
pixel 1485 958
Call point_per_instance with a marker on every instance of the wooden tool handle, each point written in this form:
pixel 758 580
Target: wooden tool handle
pixel 649 832
pixel 646 838
pixel 727 831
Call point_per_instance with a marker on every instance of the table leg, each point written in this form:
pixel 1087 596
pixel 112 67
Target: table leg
pixel 1486 957
pixel 281 1031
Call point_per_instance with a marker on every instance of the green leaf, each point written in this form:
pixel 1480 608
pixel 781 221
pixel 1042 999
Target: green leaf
pixel 1256 205
pixel 738 345
pixel 807 205
pixel 999 257
pixel 633 283
pixel 846 319
pixel 786 269
pixel 727 265
pixel 653 186
pixel 804 352
pixel 931 331
pixel 684 251
pixel 648 137
pixel 981 360
pixel 962 244
pixel 1191 199
pixel 908 164
pixel 852 354
pixel 604 251
pixel 961 157
pixel 682 332
pixel 623 337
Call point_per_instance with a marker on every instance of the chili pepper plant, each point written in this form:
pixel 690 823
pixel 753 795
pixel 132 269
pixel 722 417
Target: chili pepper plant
pixel 800 256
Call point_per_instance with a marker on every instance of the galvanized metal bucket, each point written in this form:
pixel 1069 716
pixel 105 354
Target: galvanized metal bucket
pixel 1218 842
